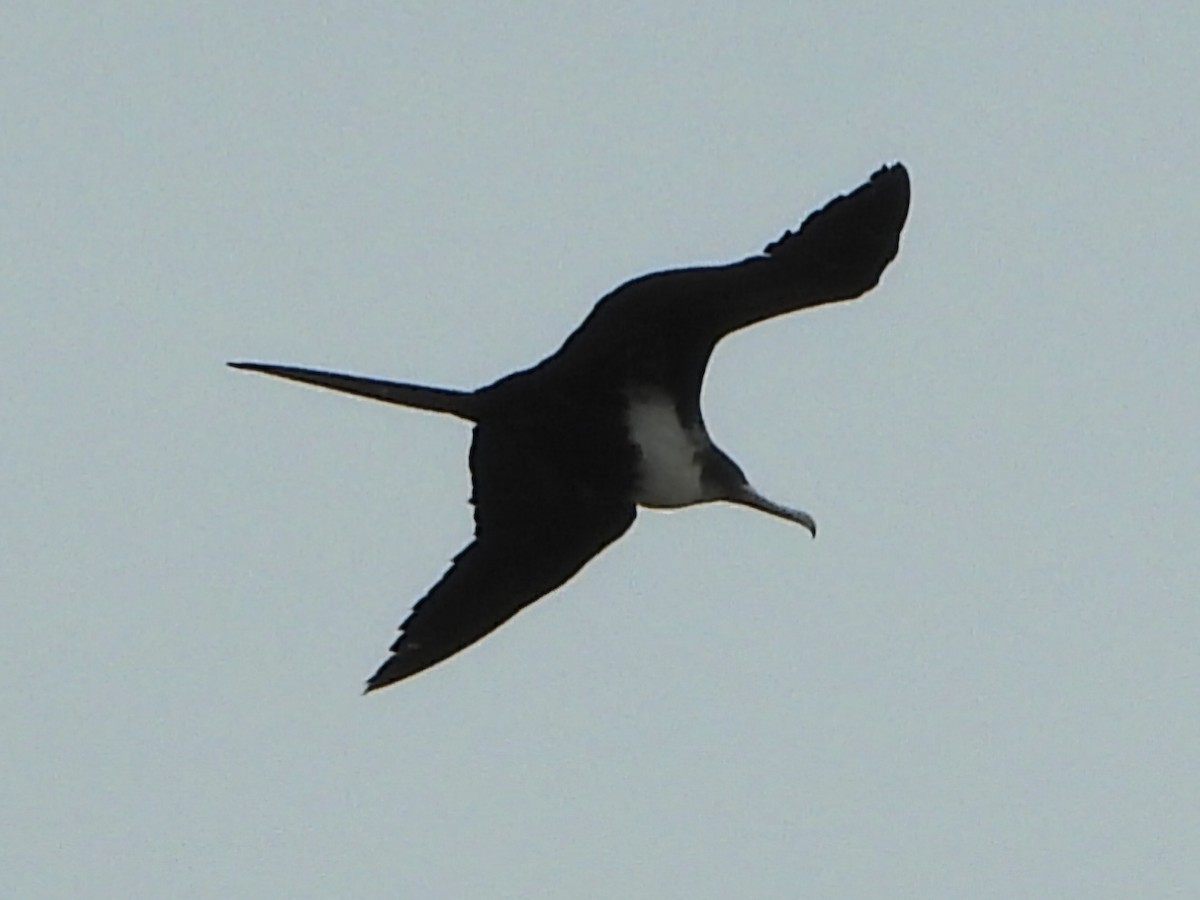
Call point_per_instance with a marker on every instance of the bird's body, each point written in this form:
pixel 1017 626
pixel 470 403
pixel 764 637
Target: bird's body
pixel 564 452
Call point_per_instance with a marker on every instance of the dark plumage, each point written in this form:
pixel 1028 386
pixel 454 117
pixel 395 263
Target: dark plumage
pixel 564 452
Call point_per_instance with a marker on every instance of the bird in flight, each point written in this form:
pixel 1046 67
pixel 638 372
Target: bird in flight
pixel 564 452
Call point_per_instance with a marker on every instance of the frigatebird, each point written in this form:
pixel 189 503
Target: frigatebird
pixel 564 452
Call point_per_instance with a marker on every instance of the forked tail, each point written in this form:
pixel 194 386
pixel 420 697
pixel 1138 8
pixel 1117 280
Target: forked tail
pixel 458 403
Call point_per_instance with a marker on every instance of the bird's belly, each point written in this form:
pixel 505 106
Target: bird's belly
pixel 668 467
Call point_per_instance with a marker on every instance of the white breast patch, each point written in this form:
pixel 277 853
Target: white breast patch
pixel 668 471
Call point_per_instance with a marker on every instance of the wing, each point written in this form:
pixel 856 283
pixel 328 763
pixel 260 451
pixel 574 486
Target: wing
pixel 838 253
pixel 534 529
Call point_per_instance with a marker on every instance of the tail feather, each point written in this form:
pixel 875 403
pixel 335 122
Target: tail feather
pixel 457 403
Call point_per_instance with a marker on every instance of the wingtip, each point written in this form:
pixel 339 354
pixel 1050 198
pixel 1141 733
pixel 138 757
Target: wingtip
pixel 382 678
pixel 877 209
pixel 387 674
pixel 895 179
pixel 396 668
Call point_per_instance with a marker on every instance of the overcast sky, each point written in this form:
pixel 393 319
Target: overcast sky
pixel 982 680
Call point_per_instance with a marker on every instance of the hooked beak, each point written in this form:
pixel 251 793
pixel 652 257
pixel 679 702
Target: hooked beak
pixel 748 496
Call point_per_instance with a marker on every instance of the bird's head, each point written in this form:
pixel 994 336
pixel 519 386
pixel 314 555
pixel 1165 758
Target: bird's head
pixel 725 480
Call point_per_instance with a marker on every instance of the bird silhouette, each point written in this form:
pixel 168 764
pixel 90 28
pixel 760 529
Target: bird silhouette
pixel 564 452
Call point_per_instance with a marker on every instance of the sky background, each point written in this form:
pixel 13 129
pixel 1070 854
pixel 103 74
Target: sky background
pixel 982 679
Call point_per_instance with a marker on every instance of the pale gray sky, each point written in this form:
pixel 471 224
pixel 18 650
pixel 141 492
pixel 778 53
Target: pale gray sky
pixel 983 678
